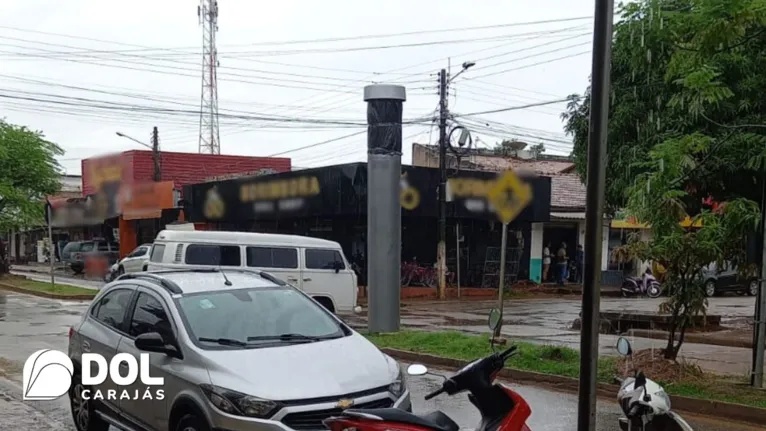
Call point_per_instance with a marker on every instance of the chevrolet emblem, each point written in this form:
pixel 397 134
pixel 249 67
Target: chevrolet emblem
pixel 344 404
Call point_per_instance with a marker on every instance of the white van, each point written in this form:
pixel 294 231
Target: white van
pixel 316 266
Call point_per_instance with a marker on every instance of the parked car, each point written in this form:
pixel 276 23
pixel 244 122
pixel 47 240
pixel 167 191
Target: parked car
pixel 238 349
pixel 728 279
pixel 135 261
pixel 315 266
pixel 69 249
pixel 95 247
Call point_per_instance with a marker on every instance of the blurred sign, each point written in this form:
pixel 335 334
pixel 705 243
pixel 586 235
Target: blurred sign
pixel 509 195
pixel 146 200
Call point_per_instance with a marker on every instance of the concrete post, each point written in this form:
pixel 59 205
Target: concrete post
pixel 384 212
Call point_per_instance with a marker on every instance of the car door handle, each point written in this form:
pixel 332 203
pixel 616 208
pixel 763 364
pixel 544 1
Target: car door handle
pixel 85 346
pixel 306 279
pixel 292 279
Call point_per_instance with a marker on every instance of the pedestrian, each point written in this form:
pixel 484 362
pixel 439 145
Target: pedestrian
pixel 561 262
pixel 579 260
pixel 546 261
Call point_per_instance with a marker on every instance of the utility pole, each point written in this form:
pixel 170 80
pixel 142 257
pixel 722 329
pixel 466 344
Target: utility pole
pixel 441 250
pixel 156 154
pixel 760 306
pixel 594 214
pixel 51 251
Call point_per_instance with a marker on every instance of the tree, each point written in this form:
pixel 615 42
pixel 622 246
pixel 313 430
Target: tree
pixel 712 235
pixel 678 68
pixel 28 173
pixel 687 123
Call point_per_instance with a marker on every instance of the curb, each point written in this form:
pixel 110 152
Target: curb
pixel 12 288
pixel 692 338
pixel 717 409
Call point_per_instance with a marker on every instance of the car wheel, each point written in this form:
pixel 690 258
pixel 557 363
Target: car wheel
pixel 710 288
pixel 752 288
pixel 192 422
pixel 83 412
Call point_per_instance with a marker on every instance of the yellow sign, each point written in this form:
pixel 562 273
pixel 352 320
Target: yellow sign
pixel 279 189
pixel 214 206
pixel 509 195
pixel 409 197
pixel 469 187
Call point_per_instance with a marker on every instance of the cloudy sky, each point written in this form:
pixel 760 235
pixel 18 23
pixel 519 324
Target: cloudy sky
pixel 291 72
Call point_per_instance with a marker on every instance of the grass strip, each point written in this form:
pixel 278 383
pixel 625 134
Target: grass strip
pixel 45 287
pixel 559 361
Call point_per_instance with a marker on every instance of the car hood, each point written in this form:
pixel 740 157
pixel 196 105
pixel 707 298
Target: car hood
pixel 300 371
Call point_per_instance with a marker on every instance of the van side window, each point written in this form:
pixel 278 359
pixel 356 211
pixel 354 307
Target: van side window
pixel 204 254
pixel 272 257
pixel 157 252
pixel 323 259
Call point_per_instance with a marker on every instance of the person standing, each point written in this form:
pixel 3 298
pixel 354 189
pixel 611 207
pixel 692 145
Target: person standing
pixel 546 261
pixel 561 263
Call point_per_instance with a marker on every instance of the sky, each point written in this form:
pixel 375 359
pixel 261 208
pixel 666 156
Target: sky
pixel 291 72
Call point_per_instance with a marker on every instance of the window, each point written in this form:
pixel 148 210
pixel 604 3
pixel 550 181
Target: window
pixel 86 247
pixel 255 316
pixel 140 251
pixel 111 308
pixel 270 257
pixel 157 252
pixel 102 246
pixel 203 254
pixel 324 259
pixel 150 316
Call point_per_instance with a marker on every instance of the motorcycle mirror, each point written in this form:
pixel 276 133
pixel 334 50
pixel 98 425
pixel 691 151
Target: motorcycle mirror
pixel 417 370
pixel 494 318
pixel 623 347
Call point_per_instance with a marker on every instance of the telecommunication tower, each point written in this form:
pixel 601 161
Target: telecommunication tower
pixel 209 138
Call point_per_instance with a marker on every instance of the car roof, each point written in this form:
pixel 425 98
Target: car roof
pixel 205 280
pixel 218 237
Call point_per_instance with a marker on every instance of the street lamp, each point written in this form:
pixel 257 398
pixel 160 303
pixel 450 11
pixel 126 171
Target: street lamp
pixel 122 135
pixel 466 65
pixel 155 151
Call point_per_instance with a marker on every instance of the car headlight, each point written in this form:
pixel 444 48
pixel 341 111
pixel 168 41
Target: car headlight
pixel 400 384
pixel 236 403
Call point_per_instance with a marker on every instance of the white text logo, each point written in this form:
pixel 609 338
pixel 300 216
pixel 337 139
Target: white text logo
pixel 47 375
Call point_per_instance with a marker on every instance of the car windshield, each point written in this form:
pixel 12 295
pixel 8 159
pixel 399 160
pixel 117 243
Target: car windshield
pixel 86 246
pixel 258 317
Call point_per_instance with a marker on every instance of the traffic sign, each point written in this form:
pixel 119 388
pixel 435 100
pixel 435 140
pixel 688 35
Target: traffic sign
pixel 509 195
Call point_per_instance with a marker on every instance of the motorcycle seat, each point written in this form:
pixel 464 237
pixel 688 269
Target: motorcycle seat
pixel 434 420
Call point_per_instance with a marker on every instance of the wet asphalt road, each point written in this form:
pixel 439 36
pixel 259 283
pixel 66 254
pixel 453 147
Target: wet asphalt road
pixel 28 324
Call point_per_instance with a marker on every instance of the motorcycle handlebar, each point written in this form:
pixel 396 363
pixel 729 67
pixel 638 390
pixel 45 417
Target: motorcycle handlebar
pixel 434 393
pixel 508 353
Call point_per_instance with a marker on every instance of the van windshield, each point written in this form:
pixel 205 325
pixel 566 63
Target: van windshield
pixel 258 317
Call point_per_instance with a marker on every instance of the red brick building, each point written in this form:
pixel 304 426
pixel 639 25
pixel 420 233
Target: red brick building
pixel 151 205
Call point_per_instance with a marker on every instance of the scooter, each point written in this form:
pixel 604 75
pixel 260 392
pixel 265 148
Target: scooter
pixel 646 284
pixel 645 403
pixel 501 408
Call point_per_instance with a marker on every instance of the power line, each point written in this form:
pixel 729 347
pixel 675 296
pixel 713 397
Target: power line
pixel 512 108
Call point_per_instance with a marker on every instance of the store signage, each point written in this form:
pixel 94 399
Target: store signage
pixel 301 187
pixel 146 200
pixel 255 173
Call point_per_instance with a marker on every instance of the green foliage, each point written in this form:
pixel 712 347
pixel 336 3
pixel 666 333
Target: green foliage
pixel 28 173
pixel 679 68
pixel 687 121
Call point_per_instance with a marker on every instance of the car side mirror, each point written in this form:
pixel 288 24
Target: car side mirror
pixel 153 342
pixel 337 266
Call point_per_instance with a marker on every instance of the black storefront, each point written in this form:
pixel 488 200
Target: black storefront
pixel 331 203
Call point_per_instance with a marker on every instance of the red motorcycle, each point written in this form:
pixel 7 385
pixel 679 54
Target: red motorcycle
pixel 501 408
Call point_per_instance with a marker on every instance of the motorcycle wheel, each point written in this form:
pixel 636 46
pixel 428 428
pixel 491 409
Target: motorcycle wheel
pixel 654 290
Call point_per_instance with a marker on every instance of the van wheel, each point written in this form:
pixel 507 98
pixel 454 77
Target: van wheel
pixel 326 303
pixel 192 422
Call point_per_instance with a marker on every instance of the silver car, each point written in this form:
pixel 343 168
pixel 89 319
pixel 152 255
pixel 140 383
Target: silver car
pixel 238 350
